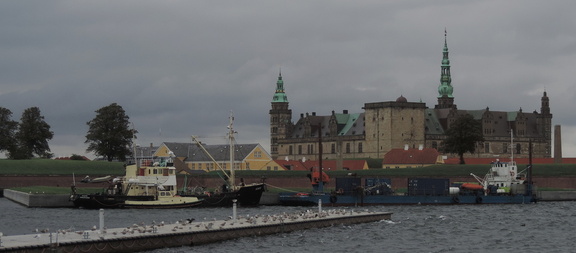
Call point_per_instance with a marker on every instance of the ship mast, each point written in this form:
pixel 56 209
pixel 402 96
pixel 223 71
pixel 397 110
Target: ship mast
pixel 231 139
pixel 512 146
pixel 321 179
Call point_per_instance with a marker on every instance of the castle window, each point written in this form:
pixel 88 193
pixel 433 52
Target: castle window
pixel 299 149
pixel 310 149
pixel 333 148
pixel 518 148
pixel 435 145
pixel 360 147
pixel 504 148
pixel 487 147
pixel 290 151
pixel 275 130
pixel 347 147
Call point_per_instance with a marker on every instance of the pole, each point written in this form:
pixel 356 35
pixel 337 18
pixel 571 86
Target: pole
pixel 234 210
pixel 529 176
pixel 231 137
pixel 321 179
pixel 101 221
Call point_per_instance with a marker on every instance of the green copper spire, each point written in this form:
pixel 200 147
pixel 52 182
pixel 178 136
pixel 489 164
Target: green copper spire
pixel 445 88
pixel 280 96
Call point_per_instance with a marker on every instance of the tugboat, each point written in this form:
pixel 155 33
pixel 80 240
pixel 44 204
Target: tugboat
pixel 149 185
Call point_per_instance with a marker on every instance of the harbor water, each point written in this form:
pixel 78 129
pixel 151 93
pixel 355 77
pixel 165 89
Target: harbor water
pixel 541 227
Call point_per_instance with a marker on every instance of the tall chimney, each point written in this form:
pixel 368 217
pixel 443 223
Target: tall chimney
pixel 557 144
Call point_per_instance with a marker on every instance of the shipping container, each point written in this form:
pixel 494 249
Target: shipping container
pixel 428 186
pixel 378 186
pixel 348 185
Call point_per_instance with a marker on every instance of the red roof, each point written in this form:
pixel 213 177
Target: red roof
pixel 326 164
pixel 411 156
pixel 456 160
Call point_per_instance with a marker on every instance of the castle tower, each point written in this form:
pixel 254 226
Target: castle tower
pixel 545 124
pixel 445 89
pixel 280 117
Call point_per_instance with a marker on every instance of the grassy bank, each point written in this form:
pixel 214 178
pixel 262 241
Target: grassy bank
pixel 59 167
pixel 69 167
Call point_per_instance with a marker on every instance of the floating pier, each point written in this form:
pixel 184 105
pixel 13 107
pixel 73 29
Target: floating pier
pixel 140 237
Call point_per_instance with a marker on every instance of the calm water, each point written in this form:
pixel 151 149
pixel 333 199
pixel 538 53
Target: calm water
pixel 542 227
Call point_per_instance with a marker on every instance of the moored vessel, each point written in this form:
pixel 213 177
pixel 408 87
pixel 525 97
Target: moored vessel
pixel 148 185
pixel 502 184
pixel 244 194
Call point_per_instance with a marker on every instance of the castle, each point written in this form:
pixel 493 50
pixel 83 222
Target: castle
pixel 384 126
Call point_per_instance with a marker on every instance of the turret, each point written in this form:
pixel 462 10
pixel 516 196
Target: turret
pixel 445 89
pixel 280 117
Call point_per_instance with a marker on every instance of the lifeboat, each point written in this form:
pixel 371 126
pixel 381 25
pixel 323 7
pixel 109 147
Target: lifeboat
pixel 471 186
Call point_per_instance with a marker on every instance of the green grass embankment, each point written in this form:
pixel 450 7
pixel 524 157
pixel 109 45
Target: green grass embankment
pixel 69 167
pixel 59 167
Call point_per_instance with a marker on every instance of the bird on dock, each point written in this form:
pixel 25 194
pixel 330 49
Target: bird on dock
pixel 94 228
pixel 190 220
pixel 37 236
pixel 209 226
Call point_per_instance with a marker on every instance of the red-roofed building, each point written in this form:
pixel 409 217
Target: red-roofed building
pixel 326 164
pixel 411 157
pixel 456 160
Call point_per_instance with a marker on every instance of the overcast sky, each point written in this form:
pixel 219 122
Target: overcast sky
pixel 179 67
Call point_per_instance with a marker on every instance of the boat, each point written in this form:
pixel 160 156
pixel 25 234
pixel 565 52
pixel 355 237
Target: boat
pixel 502 184
pixel 244 194
pixel 146 184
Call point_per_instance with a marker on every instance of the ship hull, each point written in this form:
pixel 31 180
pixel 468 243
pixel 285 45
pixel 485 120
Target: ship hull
pixel 291 199
pixel 97 201
pixel 245 196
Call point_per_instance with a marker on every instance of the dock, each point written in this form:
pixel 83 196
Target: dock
pixel 141 237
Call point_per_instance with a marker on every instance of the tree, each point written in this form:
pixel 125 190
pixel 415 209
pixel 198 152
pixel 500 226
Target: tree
pixel 109 134
pixel 32 136
pixel 7 130
pixel 463 135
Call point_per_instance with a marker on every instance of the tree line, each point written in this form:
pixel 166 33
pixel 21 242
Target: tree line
pixel 109 134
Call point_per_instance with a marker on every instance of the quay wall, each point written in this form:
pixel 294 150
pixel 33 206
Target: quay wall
pixel 557 195
pixel 38 199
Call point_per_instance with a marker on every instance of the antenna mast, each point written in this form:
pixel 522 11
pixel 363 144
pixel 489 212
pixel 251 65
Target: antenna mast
pixel 231 139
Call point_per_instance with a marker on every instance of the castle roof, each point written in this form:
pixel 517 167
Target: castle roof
pixel 191 152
